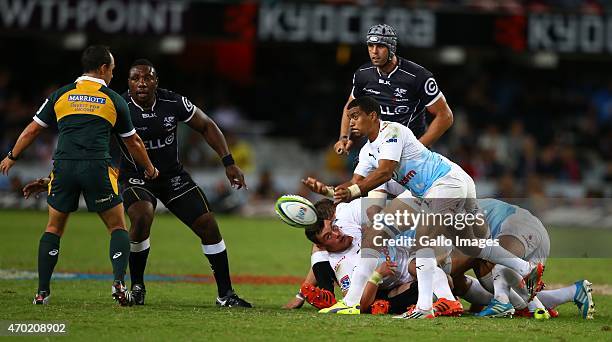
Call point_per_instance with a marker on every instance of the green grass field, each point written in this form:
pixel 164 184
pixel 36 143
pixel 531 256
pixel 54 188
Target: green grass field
pixel 265 247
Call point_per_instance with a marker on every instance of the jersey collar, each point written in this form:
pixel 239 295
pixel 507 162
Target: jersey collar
pixel 92 79
pixel 139 107
pixel 399 61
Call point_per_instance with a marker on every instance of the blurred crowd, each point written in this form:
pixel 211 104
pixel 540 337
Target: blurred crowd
pixel 517 127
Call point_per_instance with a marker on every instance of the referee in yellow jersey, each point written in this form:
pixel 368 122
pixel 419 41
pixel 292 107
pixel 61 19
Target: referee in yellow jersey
pixel 85 113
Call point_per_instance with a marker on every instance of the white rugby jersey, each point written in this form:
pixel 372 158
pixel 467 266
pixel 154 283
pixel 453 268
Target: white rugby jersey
pixel 350 219
pixel 418 166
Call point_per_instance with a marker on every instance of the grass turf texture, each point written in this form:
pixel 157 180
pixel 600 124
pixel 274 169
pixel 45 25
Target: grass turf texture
pixel 257 247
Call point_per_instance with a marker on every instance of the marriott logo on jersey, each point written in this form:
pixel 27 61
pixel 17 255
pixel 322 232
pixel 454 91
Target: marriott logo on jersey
pixel 86 98
pixel 408 177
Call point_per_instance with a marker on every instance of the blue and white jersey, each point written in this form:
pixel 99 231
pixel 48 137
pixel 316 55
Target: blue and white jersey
pixel 496 212
pixel 418 167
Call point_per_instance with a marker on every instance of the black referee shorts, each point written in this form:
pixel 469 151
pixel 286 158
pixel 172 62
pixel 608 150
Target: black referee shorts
pixel 178 192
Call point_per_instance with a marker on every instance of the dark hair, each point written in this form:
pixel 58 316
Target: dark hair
pixel 367 103
pixel 142 61
pixel 94 57
pixel 325 211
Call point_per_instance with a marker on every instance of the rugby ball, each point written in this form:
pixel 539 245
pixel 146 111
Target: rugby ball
pixel 296 211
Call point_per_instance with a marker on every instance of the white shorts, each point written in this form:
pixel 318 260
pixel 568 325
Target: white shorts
pixel 454 192
pixel 530 232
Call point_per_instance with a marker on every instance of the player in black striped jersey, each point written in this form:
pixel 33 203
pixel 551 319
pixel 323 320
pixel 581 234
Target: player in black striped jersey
pixel 155 113
pixel 404 89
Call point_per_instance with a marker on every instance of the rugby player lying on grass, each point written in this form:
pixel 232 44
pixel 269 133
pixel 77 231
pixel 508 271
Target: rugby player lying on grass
pixel 340 235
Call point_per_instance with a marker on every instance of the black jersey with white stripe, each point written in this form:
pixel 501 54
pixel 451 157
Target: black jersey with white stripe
pixel 403 94
pixel 157 129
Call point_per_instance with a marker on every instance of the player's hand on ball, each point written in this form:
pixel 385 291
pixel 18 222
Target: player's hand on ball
pixel 6 165
pixel 36 187
pixel 235 176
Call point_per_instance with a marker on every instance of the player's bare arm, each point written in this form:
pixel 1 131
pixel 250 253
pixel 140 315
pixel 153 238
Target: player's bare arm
pixel 443 119
pixel 369 292
pixel 26 138
pixel 203 124
pixel 381 175
pixel 344 143
pixel 137 149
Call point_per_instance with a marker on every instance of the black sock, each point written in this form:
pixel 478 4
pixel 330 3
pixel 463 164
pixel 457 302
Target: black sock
pixel 138 263
pixel 119 252
pixel 325 275
pixel 48 253
pixel 220 267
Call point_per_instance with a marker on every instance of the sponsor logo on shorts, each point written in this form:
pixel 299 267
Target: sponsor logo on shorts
pixel 105 199
pixel 136 181
pixel 345 283
pixel 53 252
pixel 116 255
pixel 86 98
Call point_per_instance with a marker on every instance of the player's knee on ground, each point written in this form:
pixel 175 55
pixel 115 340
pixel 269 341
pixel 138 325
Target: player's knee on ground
pixel 207 229
pixel 141 218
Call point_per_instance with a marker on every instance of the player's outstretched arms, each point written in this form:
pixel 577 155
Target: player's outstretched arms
pixel 203 124
pixel 36 187
pixel 384 172
pixel 137 149
pixel 25 139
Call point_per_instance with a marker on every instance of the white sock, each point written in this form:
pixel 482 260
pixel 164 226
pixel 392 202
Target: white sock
pixel 554 298
pixel 366 265
pixel 425 267
pixel 487 282
pixel 136 247
pixel 499 255
pixel 517 301
pixel 440 285
pixel 500 285
pixel 476 294
pixel 535 304
pixel 215 248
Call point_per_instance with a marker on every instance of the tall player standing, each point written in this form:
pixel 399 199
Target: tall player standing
pixel 155 113
pixel 404 89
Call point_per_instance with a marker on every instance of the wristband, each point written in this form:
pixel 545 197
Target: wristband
pixel 375 278
pixel 354 191
pixel 228 160
pixel 300 296
pixel 329 191
pixel 11 156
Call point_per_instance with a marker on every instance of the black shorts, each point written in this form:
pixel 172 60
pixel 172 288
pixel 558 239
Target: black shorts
pixel 399 303
pixel 178 192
